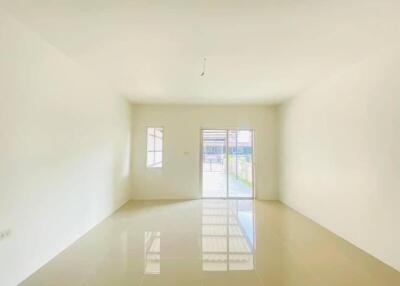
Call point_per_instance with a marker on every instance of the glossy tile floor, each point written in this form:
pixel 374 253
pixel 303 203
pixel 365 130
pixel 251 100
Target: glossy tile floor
pixel 212 242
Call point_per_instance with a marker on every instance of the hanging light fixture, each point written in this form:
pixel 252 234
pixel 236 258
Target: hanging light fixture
pixel 204 67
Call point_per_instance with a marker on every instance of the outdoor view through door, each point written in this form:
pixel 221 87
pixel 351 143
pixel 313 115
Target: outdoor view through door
pixel 227 163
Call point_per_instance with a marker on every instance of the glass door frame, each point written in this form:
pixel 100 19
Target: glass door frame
pixel 253 190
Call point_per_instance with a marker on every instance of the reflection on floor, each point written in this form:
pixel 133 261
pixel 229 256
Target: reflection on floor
pixel 212 242
pixel 227 235
pixel 152 248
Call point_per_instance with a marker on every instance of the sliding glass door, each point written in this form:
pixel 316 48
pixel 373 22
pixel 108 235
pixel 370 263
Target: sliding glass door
pixel 227 163
pixel 214 163
pixel 240 163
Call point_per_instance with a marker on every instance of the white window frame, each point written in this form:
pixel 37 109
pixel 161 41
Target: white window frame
pixel 154 151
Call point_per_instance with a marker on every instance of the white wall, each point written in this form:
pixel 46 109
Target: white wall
pixel 179 178
pixel 64 151
pixel 340 155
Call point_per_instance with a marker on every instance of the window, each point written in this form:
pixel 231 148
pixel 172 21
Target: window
pixel 154 147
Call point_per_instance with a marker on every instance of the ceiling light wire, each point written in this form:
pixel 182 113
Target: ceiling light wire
pixel 204 67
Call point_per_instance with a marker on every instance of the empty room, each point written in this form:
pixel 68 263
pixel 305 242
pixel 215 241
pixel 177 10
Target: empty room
pixel 200 143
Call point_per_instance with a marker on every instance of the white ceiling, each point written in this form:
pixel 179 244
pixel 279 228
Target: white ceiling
pixel 257 51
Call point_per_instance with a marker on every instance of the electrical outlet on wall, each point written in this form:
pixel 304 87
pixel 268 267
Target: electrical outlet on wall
pixel 4 234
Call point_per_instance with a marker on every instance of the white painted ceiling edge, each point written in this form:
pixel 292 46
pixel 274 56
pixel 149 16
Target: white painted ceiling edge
pixel 258 52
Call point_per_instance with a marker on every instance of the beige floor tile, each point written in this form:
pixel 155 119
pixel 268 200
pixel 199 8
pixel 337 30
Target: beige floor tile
pixel 212 242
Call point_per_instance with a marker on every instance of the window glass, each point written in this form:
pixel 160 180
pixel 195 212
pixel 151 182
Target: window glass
pixel 154 147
